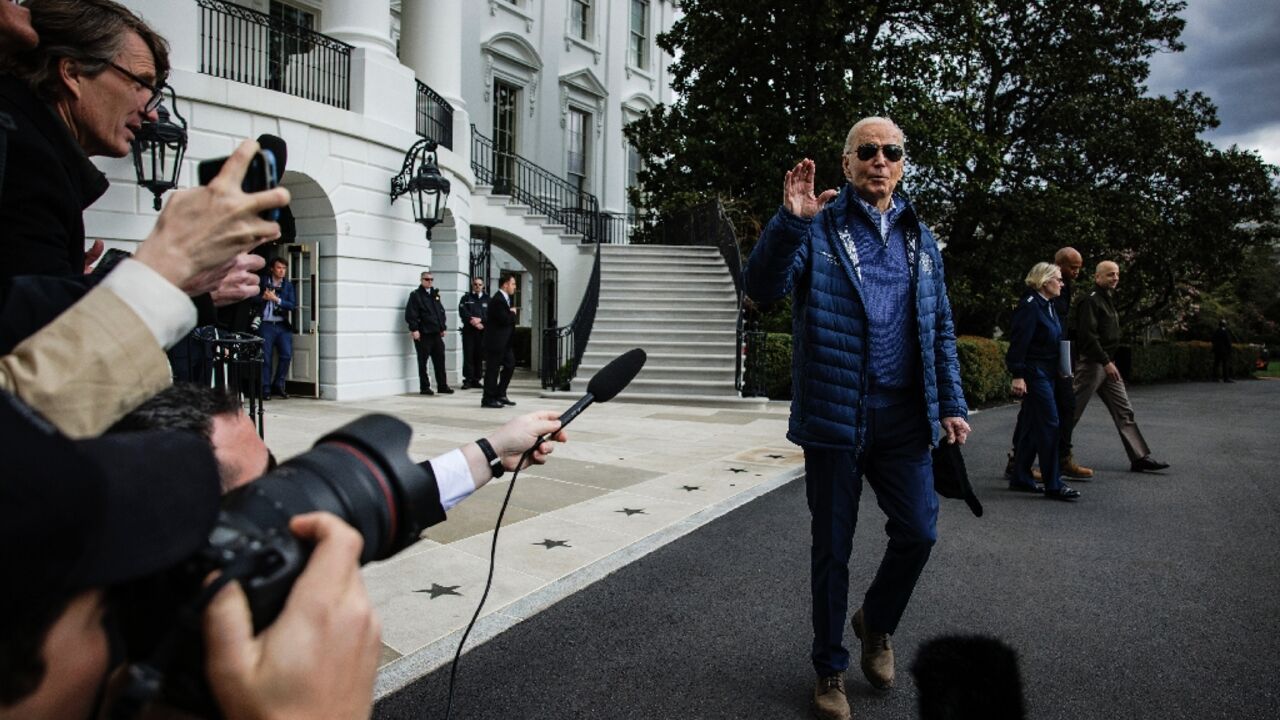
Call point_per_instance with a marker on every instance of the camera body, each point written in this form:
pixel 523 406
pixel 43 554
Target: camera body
pixel 262 174
pixel 361 473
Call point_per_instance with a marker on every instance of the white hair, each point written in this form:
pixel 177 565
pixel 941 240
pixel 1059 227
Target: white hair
pixel 853 131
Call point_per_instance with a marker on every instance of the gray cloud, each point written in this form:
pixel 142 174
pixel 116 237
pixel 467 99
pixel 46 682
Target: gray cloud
pixel 1233 56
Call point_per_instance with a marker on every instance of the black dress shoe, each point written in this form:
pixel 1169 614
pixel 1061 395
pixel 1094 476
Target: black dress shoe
pixel 506 401
pixel 446 390
pixel 491 404
pixel 1023 487
pixel 426 391
pixel 1147 464
pixel 281 394
pixel 1066 492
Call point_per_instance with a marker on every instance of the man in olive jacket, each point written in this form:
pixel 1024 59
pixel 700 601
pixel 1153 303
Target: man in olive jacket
pixel 1098 335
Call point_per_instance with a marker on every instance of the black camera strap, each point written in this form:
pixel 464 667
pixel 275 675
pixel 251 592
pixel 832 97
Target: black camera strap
pixel 146 677
pixel 493 552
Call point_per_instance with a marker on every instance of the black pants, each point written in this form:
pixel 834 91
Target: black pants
pixel 430 345
pixel 472 355
pixel 495 383
pixel 1223 362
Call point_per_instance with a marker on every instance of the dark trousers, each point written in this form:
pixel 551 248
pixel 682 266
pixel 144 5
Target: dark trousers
pixel 472 355
pixel 498 367
pixel 1040 421
pixel 1064 397
pixel 1223 362
pixel 277 337
pixel 430 345
pixel 898 467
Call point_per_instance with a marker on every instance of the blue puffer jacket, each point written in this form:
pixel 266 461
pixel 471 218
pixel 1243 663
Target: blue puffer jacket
pixel 829 325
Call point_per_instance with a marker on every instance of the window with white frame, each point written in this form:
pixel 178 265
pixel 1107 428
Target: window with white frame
pixel 638 50
pixel 579 123
pixel 506 103
pixel 580 19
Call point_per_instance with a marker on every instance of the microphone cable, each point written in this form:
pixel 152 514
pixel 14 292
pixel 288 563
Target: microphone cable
pixel 493 552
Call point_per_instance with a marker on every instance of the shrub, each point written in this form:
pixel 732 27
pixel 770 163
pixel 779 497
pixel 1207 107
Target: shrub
pixel 982 372
pixel 1191 360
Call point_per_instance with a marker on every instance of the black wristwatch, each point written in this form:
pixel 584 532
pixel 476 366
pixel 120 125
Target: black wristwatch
pixel 491 457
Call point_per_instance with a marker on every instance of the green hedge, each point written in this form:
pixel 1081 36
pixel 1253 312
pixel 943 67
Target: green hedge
pixel 1193 360
pixel 985 380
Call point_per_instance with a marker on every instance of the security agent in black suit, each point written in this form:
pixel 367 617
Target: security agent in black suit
pixel 425 315
pixel 498 336
pixel 471 313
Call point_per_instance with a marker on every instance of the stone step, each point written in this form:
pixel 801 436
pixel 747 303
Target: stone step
pixel 645 262
pixel 651 253
pixel 665 296
pixel 709 401
pixel 641 338
pixel 593 361
pixel 644 324
pixel 617 347
pixel 631 309
pixel 668 284
pixel 623 270
pixel 663 372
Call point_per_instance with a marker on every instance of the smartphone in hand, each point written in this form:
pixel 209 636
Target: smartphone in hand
pixel 261 175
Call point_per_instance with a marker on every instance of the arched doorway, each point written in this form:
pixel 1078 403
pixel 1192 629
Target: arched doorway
pixel 314 238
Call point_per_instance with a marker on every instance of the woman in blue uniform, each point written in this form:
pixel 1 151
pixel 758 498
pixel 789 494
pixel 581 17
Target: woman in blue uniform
pixel 1033 361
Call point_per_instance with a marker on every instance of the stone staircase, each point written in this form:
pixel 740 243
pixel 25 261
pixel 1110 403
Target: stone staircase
pixel 679 304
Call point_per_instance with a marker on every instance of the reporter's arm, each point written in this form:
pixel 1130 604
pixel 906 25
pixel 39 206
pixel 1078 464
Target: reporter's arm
pixel 96 361
pixel 460 472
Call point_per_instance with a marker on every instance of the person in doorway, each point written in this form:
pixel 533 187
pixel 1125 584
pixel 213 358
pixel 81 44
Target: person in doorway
pixel 424 313
pixel 499 337
pixel 279 299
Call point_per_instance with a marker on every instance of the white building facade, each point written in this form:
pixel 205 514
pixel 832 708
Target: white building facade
pixel 547 84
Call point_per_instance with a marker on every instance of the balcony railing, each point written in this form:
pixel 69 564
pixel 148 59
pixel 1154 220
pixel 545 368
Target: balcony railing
pixel 251 47
pixel 544 192
pixel 435 116
pixel 623 228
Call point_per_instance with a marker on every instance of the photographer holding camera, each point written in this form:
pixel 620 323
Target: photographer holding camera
pixel 79 521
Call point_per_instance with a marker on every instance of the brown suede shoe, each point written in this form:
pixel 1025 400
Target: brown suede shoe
pixel 877 654
pixel 1074 471
pixel 829 700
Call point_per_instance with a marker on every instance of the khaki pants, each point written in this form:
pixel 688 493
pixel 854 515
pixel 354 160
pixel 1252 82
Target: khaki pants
pixel 1092 378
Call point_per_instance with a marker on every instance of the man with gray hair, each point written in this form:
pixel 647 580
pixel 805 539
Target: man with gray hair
pixel 875 383
pixel 83 91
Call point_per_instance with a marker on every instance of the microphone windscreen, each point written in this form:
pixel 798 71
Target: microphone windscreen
pixel 278 148
pixel 616 375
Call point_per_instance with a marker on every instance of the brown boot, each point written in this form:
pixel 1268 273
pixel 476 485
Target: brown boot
pixel 1072 470
pixel 829 699
pixel 877 654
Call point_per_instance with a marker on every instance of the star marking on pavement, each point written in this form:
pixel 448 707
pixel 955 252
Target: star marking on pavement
pixel 548 543
pixel 438 590
pixel 690 488
pixel 737 470
pixel 632 511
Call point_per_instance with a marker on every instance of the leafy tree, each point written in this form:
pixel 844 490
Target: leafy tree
pixel 1027 124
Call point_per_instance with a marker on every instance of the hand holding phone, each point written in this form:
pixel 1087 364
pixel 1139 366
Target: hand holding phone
pixel 261 175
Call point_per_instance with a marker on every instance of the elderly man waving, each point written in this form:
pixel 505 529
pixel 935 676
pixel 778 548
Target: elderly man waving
pixel 875 380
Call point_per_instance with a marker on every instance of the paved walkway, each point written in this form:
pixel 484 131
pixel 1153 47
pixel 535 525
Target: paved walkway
pixel 632 478
pixel 1156 596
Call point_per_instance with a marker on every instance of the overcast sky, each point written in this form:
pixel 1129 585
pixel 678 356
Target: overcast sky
pixel 1233 56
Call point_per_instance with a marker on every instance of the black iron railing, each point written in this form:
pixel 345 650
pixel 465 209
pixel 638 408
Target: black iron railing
pixel 562 347
pixel 251 47
pixel 543 191
pixel 435 116
pixel 623 228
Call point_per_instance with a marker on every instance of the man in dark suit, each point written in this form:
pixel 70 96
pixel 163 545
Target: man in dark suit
pixel 424 314
pixel 499 332
pixel 471 313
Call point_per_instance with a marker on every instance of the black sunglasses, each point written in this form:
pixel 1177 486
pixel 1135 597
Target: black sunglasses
pixel 157 91
pixel 892 153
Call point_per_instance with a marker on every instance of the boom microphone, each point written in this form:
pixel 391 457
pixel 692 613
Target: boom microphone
pixel 608 382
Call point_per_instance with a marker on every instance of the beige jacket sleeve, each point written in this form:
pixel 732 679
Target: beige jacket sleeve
pixel 89 367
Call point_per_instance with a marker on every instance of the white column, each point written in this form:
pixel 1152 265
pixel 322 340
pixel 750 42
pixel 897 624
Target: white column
pixel 381 88
pixel 431 45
